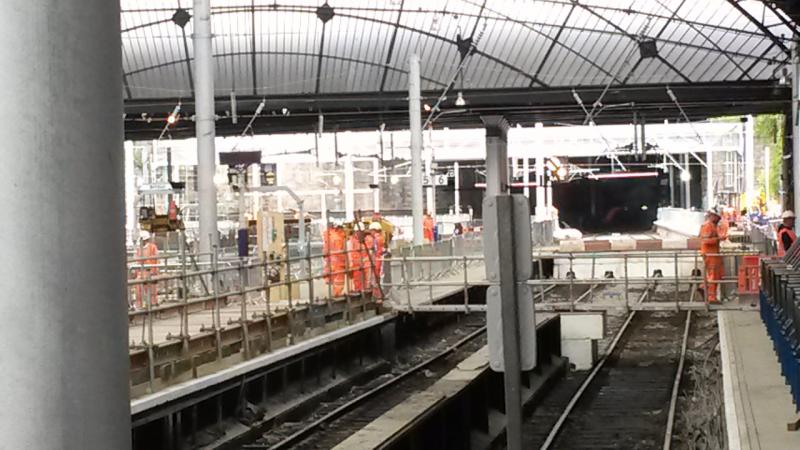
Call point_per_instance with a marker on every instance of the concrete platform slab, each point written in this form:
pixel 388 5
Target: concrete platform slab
pixel 758 404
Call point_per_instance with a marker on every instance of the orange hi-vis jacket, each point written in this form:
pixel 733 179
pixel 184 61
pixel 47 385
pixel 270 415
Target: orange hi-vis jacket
pixel 709 238
pixel 782 233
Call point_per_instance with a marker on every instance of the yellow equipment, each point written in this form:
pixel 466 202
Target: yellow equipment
pixel 154 223
pixel 271 241
pixel 386 226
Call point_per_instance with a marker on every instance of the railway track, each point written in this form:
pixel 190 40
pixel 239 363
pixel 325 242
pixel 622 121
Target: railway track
pixel 337 420
pixel 629 399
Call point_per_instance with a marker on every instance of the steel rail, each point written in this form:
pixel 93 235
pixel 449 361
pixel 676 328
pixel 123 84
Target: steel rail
pixel 673 402
pixel 299 436
pixel 554 432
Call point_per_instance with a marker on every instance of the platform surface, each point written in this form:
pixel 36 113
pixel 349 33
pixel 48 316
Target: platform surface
pixel 758 404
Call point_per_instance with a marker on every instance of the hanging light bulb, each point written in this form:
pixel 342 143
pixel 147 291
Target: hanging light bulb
pixel 173 116
pixel 685 175
pixel 460 99
pixel 426 107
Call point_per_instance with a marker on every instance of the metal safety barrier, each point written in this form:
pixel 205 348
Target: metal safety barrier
pixel 679 270
pixel 780 311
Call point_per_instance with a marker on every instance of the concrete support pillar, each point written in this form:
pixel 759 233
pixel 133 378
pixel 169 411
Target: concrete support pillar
pixel 205 125
pixel 415 127
pixel 496 154
pixel 62 273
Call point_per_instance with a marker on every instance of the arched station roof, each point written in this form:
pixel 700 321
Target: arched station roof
pixel 526 59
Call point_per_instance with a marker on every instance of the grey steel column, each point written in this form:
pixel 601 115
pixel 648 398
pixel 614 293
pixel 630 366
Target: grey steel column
pixel 63 341
pixel 671 183
pixel 687 185
pixel 496 154
pixel 710 197
pixel 415 126
pixel 457 183
pixel 541 202
pixel 205 125
pixel 526 176
pixel 349 188
pixel 795 127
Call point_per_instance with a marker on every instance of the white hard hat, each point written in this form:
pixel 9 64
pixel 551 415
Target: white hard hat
pixel 145 235
pixel 789 214
pixel 375 226
pixel 713 210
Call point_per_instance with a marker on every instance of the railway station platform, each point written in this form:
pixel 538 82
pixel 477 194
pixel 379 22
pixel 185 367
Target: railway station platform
pixel 758 404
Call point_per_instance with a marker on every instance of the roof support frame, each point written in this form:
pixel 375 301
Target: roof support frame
pixel 553 43
pixel 390 52
pixel 781 16
pixel 756 61
pixel 528 27
pixel 673 16
pixel 253 68
pixel 188 58
pixel 708 39
pixel 320 54
pixel 760 26
pixel 128 92
pixel 674 69
pixel 305 54
pixel 366 110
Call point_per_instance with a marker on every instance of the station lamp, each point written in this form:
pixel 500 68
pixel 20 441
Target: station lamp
pixel 172 118
pixel 460 99
pixel 685 175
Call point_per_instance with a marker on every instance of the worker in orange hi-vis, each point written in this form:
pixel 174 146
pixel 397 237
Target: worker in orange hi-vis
pixel 427 227
pixel 380 244
pixel 354 258
pixel 786 235
pixel 710 238
pixel 149 251
pixel 338 259
pixel 368 261
pixel 327 236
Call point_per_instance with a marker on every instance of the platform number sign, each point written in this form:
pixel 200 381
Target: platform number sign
pixel 434 180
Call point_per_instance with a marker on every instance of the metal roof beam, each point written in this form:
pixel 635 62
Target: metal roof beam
pixel 753 64
pixel 366 110
pixel 674 69
pixel 254 71
pixel 306 54
pixel 390 52
pixel 553 44
pixel 760 26
pixel 710 41
pixel 781 16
